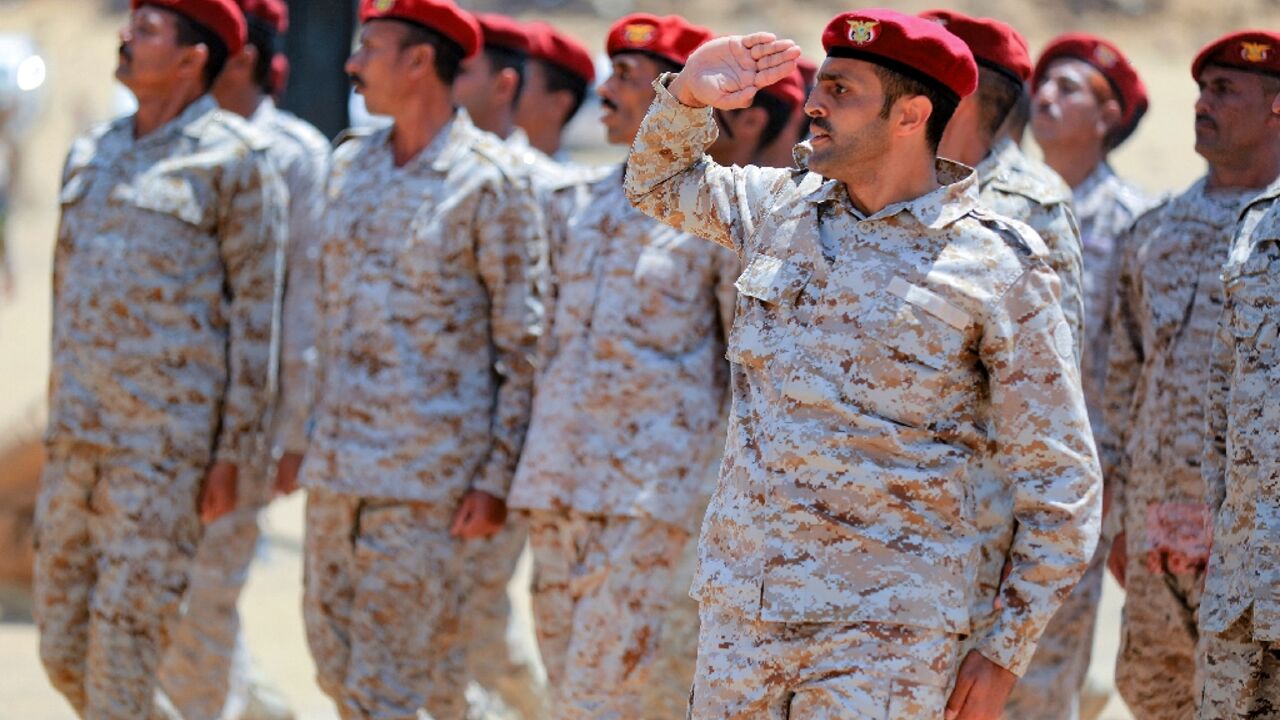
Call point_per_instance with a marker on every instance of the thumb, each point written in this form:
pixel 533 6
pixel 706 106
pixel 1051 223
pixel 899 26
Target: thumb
pixel 461 519
pixel 960 695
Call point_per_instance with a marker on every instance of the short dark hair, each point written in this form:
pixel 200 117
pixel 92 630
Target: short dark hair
pixel 266 41
pixel 777 113
pixel 898 85
pixel 559 79
pixel 191 33
pixel 448 53
pixel 503 58
pixel 997 94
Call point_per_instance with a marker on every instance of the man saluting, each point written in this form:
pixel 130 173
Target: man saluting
pixel 889 333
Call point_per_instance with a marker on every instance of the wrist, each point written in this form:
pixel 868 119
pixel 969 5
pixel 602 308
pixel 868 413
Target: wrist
pixel 679 89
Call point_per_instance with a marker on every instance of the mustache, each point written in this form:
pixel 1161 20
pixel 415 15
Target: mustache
pixel 1201 117
pixel 821 123
pixel 606 102
pixel 125 52
pixel 356 80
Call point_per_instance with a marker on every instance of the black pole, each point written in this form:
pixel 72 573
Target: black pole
pixel 318 44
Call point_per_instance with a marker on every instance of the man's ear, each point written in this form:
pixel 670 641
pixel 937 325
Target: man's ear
pixel 505 86
pixel 192 60
pixel 911 115
pixel 420 60
pixel 1109 117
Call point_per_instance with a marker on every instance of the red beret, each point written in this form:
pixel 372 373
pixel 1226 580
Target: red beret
pixel 790 89
pixel 670 37
pixel 501 31
pixel 919 48
pixel 272 13
pixel 440 15
pixel 1107 59
pixel 993 43
pixel 555 48
pixel 1249 50
pixel 221 17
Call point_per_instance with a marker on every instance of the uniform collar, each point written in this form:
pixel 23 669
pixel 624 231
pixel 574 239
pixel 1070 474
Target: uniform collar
pixel 1004 154
pixel 955 198
pixel 451 143
pixel 265 112
pixel 189 122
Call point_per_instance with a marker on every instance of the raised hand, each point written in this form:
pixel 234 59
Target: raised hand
pixel 726 72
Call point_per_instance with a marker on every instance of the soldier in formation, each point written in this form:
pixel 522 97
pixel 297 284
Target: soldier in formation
pixel 908 496
pixel 165 324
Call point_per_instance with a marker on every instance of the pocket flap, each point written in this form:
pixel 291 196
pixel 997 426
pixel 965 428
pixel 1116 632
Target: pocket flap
pixel 772 280
pixel 170 195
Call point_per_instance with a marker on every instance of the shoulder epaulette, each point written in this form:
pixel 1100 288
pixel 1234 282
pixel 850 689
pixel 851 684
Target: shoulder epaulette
pixel 1019 235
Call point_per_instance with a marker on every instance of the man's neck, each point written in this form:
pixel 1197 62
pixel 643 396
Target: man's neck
pixel 416 126
pixel 243 101
pixel 1074 163
pixel 154 111
pixel 1256 171
pixel 501 124
pixel 973 152
pixel 893 182
pixel 545 139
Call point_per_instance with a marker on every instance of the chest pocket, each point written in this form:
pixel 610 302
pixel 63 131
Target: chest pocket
pixel 919 345
pixel 172 195
pixel 767 293
pixel 672 308
pixel 1254 306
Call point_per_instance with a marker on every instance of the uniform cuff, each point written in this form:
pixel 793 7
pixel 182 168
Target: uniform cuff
pixel 1007 649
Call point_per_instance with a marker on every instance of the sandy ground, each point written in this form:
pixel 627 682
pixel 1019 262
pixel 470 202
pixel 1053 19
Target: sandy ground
pixel 79 43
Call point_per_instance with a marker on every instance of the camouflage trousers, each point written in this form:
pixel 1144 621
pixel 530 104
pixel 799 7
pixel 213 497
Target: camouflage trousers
pixel 382 602
pixel 600 593
pixel 1241 675
pixel 749 669
pixel 115 536
pixel 1156 667
pixel 496 659
pixel 207 671
pixel 1050 689
pixel 667 694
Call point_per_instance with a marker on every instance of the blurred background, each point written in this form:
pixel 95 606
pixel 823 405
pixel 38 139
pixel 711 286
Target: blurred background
pixel 56 63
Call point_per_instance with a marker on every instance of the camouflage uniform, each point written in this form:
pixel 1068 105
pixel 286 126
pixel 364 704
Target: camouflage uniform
pixel 1167 302
pixel 1240 609
pixel 873 359
pixel 495 657
pixel 165 272
pixel 207 672
pixel 631 394
pixel 1018 187
pixel 426 341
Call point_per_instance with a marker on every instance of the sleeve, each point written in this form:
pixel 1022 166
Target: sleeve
pixel 506 230
pixel 1213 466
pixel 1043 446
pixel 252 238
pixel 671 179
pixel 1061 233
pixel 301 303
pixel 1121 400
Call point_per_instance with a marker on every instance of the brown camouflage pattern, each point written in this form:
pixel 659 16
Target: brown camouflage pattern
pixel 429 320
pixel 1163 317
pixel 206 671
pixel 1240 674
pixel 600 591
pixel 1242 454
pixel 168 258
pixel 632 384
pixel 384 595
pixel 866 378
pixel 749 669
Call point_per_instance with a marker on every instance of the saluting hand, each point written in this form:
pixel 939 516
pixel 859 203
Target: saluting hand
pixel 726 72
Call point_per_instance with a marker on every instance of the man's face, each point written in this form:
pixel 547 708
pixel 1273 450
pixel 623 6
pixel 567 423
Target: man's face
pixel 476 86
pixel 149 50
pixel 846 129
pixel 625 97
pixel 377 67
pixel 1065 109
pixel 1233 115
pixel 531 108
